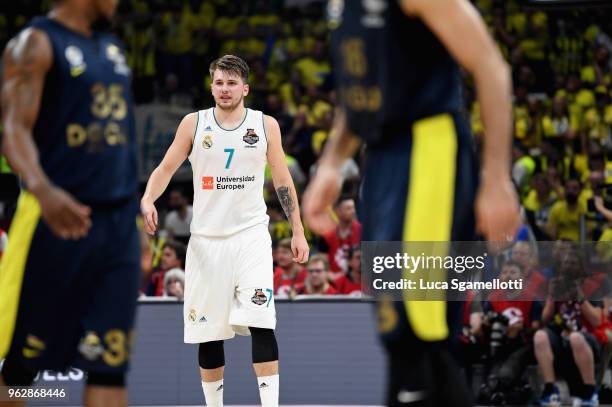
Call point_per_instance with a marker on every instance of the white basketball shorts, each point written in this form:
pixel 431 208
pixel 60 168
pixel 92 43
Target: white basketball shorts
pixel 228 285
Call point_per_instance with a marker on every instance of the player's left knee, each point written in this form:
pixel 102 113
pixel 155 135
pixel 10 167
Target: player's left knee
pixel 264 347
pixel 106 379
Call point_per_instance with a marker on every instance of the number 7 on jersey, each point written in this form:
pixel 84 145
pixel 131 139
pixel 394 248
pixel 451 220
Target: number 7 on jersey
pixel 229 157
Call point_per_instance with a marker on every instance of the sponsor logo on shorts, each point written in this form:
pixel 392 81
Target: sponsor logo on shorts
pixel 203 319
pixel 208 183
pixel 192 315
pixel 250 138
pixel 90 346
pixel 259 298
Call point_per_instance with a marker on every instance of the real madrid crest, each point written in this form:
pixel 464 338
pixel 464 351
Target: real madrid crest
pixel 192 315
pixel 207 141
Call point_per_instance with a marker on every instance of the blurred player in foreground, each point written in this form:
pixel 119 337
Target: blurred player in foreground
pixel 400 91
pixel 69 278
pixel 229 279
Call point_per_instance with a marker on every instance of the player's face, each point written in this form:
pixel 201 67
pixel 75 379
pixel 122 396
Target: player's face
pixel 228 89
pixel 284 257
pixel 106 8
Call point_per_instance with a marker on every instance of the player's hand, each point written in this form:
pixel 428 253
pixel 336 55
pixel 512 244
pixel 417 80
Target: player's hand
pixel 320 197
pixel 66 217
pixel 497 210
pixel 299 248
pixel 149 214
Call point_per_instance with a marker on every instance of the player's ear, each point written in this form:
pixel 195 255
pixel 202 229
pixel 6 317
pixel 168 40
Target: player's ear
pixel 245 89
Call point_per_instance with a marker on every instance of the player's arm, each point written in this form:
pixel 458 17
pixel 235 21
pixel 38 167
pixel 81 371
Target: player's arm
pixel 161 176
pixel 460 28
pixel 325 187
pixel 283 184
pixel 26 60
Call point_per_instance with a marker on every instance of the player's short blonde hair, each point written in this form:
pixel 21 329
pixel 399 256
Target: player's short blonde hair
pixel 231 64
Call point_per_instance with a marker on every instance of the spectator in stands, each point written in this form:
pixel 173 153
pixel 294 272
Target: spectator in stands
pixel 564 216
pixel 569 342
pixel 510 319
pixel 350 282
pixel 537 205
pixel 534 282
pixel 179 218
pixel 287 274
pixel 317 280
pixel 173 256
pixel 338 242
pixel 174 283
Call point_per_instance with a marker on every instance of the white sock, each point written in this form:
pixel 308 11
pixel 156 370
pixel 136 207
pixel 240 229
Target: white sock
pixel 213 393
pixel 268 390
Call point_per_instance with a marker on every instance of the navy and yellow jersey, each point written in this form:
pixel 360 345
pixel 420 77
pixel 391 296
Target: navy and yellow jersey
pixel 390 69
pixel 85 129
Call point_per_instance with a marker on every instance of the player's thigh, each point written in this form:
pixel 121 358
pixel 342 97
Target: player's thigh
pixel 209 281
pixel 108 320
pixel 254 303
pixel 42 277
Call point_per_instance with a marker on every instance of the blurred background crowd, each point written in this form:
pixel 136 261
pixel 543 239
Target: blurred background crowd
pixel 562 155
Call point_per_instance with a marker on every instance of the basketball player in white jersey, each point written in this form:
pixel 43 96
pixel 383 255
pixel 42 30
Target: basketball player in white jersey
pixel 229 280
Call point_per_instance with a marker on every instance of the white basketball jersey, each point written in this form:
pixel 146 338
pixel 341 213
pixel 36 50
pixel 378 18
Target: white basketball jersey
pixel 228 175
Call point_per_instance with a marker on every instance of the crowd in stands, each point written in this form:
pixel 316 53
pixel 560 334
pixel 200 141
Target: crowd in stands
pixel 562 165
pixel 561 69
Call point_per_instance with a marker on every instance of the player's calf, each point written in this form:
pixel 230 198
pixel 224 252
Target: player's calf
pixel 211 358
pixel 265 363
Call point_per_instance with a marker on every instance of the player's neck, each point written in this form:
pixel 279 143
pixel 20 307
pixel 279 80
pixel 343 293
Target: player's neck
pixel 75 20
pixel 229 118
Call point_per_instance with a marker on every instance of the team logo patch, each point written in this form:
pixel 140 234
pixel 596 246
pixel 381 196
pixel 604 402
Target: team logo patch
pixel 207 141
pixel 259 298
pixel 192 315
pixel 90 346
pixel 114 54
pixel 250 137
pixel 74 56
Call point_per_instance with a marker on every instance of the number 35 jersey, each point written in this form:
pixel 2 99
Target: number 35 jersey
pixel 228 175
pixel 85 126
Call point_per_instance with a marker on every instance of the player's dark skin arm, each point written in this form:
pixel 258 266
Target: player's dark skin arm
pixel 26 60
